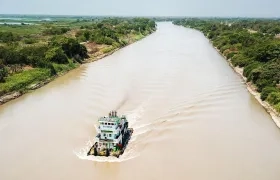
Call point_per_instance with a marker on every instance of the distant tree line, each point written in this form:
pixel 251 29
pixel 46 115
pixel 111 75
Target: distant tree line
pixel 56 30
pixel 110 31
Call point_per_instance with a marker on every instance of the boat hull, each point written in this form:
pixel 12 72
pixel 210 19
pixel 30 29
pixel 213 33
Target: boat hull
pixel 106 152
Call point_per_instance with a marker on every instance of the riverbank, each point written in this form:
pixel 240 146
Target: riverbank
pixel 252 90
pixel 257 53
pixel 16 94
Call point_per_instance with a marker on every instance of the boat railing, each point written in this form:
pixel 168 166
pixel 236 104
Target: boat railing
pixel 117 136
pixel 98 135
pixel 126 124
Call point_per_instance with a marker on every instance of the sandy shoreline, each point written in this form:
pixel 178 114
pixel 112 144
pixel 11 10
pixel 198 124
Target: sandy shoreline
pixel 252 89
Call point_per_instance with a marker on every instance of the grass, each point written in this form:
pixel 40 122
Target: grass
pixel 108 49
pixel 138 37
pixel 277 107
pixel 22 29
pixel 22 80
pixel 61 68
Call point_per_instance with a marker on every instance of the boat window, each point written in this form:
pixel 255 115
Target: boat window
pixel 110 135
pixel 105 123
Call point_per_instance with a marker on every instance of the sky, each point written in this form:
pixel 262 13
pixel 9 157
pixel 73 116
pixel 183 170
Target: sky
pixel 197 8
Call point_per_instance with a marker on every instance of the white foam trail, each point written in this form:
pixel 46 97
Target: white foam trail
pixel 105 159
pixel 143 126
pixel 133 117
pixel 82 154
pixel 136 114
pixel 96 127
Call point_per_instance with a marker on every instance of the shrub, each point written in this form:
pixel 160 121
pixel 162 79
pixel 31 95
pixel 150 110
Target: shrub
pixel 277 107
pixel 266 91
pixel 240 60
pixel 249 68
pixel 225 47
pixel 254 75
pixel 3 73
pixel 230 55
pixel 262 83
pixel 7 37
pixel 70 46
pixel 56 30
pixel 30 41
pixel 21 80
pixel 56 55
pixel 107 50
pixel 274 98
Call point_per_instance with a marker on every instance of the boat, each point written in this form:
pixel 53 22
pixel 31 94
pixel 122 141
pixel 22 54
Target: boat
pixel 112 137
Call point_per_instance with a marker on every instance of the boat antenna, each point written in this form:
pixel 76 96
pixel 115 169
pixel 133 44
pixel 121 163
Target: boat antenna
pixel 110 114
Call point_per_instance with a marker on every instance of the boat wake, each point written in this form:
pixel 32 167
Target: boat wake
pixel 82 154
pixel 184 111
pixel 130 152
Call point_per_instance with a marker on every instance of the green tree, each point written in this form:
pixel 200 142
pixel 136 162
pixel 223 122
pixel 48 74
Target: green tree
pixel 3 71
pixel 87 35
pixel 56 55
pixel 70 46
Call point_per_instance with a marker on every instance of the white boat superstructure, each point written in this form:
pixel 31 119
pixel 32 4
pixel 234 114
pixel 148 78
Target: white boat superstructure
pixel 113 134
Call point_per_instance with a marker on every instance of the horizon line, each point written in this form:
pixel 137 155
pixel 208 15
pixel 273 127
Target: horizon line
pixel 151 16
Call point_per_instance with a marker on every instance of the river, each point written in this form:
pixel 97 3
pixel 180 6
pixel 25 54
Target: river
pixel 192 114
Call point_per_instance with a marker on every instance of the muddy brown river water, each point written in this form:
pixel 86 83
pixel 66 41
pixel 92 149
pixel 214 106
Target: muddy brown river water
pixel 193 118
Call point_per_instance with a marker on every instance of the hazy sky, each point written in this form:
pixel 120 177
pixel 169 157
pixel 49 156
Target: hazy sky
pixel 248 8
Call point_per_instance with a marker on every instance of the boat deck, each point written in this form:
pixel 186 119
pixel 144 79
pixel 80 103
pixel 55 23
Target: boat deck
pixel 93 150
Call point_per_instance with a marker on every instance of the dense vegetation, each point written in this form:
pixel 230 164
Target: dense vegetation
pixel 33 53
pixel 112 31
pixel 250 44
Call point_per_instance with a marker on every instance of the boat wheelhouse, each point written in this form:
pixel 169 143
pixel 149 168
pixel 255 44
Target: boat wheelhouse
pixel 113 135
